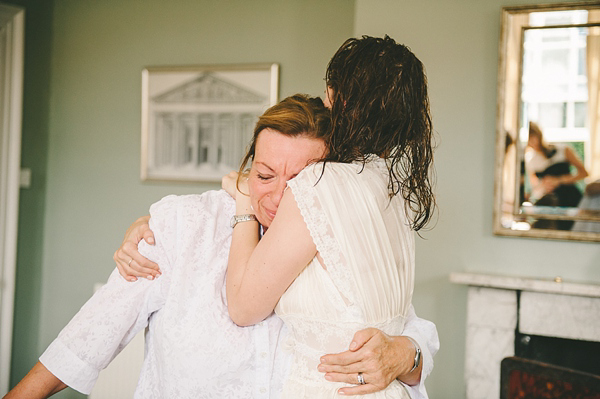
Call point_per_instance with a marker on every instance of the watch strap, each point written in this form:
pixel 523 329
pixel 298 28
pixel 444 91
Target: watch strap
pixel 242 218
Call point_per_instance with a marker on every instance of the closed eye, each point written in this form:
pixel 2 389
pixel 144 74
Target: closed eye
pixel 263 177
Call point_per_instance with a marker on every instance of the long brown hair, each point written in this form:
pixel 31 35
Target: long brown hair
pixel 535 131
pixel 380 106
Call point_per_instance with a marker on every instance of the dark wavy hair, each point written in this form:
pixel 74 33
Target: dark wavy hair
pixel 297 115
pixel 380 106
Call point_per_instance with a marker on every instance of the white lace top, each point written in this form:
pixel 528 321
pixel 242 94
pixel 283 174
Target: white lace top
pixel 367 246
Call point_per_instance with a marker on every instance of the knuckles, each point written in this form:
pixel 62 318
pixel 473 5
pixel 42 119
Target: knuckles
pixel 369 353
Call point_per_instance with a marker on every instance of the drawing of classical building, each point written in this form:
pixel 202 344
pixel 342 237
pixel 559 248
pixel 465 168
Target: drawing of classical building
pixel 199 130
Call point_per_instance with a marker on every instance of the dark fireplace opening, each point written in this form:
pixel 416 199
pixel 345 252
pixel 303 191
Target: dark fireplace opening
pixel 530 379
pixel 573 354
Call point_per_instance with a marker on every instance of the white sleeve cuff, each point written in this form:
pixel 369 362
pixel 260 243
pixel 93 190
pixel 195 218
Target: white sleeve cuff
pixel 68 368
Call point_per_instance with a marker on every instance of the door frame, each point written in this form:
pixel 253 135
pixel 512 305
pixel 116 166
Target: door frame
pixel 12 19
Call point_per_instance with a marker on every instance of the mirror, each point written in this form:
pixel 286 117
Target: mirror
pixel 547 181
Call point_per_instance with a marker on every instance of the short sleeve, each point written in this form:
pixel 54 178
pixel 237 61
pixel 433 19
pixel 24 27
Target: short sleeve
pixel 306 188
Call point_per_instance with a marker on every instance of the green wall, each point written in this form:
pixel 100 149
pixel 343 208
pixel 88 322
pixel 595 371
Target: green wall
pixel 458 43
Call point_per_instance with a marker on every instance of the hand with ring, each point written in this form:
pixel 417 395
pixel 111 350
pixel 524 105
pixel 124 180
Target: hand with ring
pixel 361 379
pixel 130 262
pixel 373 362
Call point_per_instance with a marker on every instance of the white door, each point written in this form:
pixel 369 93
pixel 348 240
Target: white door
pixel 11 98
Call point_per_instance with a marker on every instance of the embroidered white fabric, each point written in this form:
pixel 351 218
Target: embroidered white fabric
pixel 367 247
pixel 193 349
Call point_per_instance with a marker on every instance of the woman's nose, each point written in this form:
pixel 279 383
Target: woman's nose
pixel 278 192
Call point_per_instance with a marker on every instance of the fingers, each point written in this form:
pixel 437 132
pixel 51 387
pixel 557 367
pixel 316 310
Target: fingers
pixel 148 236
pixel 352 356
pixel 229 182
pixel 132 264
pixel 135 269
pixel 358 389
pixel 365 361
pixel 371 359
pixel 374 381
pixel 123 267
pixel 339 359
pixel 131 271
pixel 345 378
pixel 352 368
pixel 362 337
pixel 130 251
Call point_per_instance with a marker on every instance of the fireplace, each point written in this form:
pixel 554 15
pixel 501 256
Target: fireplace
pixel 530 379
pixel 545 321
pixel 569 353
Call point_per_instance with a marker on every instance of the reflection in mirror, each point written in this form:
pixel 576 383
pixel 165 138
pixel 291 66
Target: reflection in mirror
pixel 548 147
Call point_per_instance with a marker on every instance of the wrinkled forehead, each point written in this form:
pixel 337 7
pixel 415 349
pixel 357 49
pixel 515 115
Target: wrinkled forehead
pixel 285 153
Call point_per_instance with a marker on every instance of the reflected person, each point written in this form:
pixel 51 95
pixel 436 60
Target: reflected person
pixel 549 170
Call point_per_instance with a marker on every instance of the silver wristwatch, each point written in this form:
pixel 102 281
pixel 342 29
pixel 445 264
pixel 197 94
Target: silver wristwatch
pixel 242 218
pixel 417 354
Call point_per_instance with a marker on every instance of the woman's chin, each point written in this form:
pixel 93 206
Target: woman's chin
pixel 264 221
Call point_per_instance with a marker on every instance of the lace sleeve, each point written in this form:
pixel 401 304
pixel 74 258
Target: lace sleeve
pixel 306 187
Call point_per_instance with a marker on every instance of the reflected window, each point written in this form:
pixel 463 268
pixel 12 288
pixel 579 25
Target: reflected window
pixel 552 115
pixel 554 82
pixel 581 119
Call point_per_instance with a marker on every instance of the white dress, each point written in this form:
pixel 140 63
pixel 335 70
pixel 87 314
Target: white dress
pixel 367 245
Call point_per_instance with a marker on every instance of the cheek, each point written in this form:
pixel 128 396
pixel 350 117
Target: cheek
pixel 255 192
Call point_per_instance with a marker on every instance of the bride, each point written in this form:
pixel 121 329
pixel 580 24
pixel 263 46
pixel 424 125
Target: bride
pixel 339 254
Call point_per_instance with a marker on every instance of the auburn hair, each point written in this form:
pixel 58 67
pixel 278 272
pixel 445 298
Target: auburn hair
pixel 297 115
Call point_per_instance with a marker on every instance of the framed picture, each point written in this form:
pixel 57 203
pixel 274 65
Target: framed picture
pixel 197 121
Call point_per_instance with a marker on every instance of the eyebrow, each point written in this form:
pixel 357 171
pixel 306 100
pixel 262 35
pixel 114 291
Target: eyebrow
pixel 265 165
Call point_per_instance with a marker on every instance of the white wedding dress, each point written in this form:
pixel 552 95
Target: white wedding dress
pixel 367 245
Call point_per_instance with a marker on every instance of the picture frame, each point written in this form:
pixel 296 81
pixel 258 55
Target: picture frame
pixel 198 120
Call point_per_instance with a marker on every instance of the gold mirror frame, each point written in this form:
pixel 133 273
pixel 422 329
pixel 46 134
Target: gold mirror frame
pixel 509 91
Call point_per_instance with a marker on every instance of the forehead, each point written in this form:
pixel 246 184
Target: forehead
pixel 277 150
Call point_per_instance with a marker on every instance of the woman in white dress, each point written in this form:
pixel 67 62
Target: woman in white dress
pixel 339 255
pixel 549 170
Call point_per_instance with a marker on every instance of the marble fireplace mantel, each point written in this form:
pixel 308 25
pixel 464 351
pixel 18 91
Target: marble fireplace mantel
pixel 498 305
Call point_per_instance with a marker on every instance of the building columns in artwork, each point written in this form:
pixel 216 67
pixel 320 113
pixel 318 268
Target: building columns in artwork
pixel 201 127
pixel 184 139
